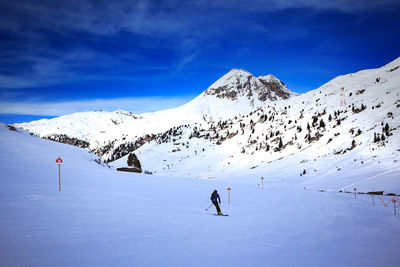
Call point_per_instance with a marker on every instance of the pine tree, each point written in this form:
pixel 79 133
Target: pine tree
pixel 133 161
pixel 386 128
pixel 322 124
pixel 280 143
pixel 130 160
pixel 315 119
pixel 378 138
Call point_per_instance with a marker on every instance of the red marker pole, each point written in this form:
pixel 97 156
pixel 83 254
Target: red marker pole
pixel 262 182
pixel 229 195
pixel 59 161
pixel 59 177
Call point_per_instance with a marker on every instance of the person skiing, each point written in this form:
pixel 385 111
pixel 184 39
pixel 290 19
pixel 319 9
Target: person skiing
pixel 215 198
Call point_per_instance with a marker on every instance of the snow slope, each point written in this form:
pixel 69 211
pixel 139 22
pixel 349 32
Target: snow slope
pixel 108 218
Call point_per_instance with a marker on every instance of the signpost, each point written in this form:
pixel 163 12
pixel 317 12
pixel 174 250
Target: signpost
pixel 59 161
pixel 229 195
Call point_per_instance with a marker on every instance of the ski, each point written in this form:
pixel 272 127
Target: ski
pixel 221 215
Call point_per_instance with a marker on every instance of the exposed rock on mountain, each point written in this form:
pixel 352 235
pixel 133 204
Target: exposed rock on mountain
pixel 240 83
pixel 274 86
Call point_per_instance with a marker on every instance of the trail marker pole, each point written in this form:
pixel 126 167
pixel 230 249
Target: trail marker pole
pixel 355 193
pixel 373 201
pixel 59 161
pixel 229 195
pixel 394 205
pixel 262 182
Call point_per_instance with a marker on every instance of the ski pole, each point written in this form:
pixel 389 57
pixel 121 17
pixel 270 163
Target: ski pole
pixel 209 207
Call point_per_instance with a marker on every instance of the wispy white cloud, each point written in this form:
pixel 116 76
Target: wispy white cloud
pixel 53 67
pixel 274 5
pixel 135 105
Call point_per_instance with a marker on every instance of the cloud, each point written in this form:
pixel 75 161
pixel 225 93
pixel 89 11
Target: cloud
pixel 52 67
pixel 347 6
pixel 154 18
pixel 135 105
pixel 50 42
pixel 99 17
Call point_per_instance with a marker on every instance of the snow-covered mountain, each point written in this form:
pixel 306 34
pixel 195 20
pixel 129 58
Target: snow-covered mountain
pixel 237 92
pixel 247 125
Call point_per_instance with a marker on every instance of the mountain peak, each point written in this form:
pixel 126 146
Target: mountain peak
pixel 241 83
pixel 268 77
pixel 233 76
pixel 276 86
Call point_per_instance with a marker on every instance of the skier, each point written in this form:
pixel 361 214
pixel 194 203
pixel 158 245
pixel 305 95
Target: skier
pixel 214 198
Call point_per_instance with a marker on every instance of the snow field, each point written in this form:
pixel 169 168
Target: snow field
pixel 108 218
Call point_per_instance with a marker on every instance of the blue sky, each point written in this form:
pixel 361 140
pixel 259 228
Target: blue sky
pixel 60 57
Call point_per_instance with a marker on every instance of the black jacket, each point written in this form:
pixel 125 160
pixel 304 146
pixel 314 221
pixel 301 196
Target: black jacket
pixel 215 197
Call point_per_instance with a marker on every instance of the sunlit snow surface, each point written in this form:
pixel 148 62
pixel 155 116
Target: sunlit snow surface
pixel 107 218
